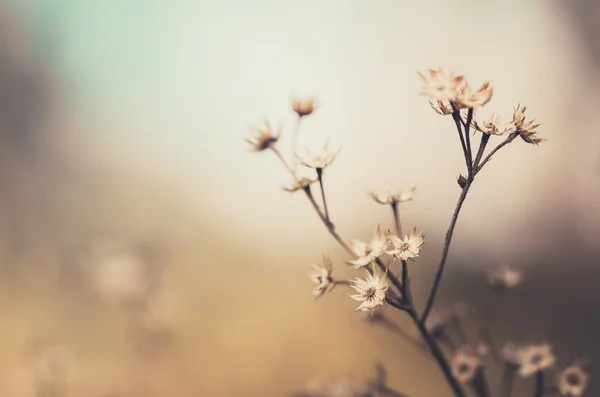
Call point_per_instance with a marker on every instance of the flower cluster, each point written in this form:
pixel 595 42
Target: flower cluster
pixel 383 259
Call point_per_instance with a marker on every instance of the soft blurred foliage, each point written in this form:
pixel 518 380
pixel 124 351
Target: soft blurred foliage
pixel 122 121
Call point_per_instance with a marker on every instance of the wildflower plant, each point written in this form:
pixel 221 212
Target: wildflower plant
pixel 382 263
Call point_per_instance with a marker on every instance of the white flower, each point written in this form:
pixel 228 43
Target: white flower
pixel 505 277
pixel 491 126
pixel 465 363
pixel 303 106
pixel 535 358
pixel 321 160
pixel 400 196
pixel 467 98
pixel 407 248
pixel 367 253
pixel 263 137
pixel 321 276
pixel 526 129
pixel 439 86
pixel 370 291
pixel 572 381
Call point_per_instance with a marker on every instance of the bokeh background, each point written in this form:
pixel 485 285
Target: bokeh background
pixel 124 121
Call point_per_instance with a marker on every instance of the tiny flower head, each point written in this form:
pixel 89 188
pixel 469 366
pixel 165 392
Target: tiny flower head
pixel 407 248
pixel 535 358
pixel 439 86
pixel 303 106
pixel 510 354
pixel 400 196
pixel 525 129
pixel 572 381
pixel 321 275
pixel 301 180
pixel 465 363
pixel 491 126
pixel 320 160
pixel 505 277
pixel 441 317
pixel 367 253
pixel 443 108
pixel 263 137
pixel 370 291
pixel 468 98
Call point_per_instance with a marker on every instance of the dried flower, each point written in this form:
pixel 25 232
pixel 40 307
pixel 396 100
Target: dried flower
pixel 466 98
pixel 407 248
pixel 321 276
pixel 400 196
pixel 263 138
pixel 525 129
pixel 505 277
pixel 303 106
pixel 535 358
pixel 443 108
pixel 572 381
pixel 367 253
pixel 371 290
pixel 321 160
pixel 465 363
pixel 491 126
pixel 439 86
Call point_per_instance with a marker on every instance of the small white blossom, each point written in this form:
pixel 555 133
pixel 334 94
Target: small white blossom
pixel 370 291
pixel 526 129
pixel 400 196
pixel 320 160
pixel 321 275
pixel 572 381
pixel 367 253
pixel 263 137
pixel 303 106
pixel 465 363
pixel 535 358
pixel 491 126
pixel 467 98
pixel 407 248
pixel 439 86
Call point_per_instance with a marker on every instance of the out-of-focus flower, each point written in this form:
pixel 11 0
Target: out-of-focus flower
pixel 400 196
pixel 320 160
pixel 367 253
pixel 572 381
pixel 505 277
pixel 525 129
pixel 439 86
pixel 510 354
pixel 443 108
pixel 535 358
pixel 120 276
pixel 303 106
pixel 465 363
pixel 467 98
pixel 492 126
pixel 263 137
pixel 407 248
pixel 370 291
pixel 321 275
pixel 303 177
pixel 440 317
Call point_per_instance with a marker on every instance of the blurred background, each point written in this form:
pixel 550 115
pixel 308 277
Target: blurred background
pixel 122 126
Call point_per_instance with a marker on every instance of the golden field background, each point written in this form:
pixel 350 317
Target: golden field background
pixel 126 121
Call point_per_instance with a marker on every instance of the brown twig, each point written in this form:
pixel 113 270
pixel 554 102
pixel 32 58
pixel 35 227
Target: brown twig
pixel 508 140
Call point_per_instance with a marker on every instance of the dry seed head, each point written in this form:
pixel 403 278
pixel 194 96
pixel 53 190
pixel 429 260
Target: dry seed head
pixel 263 138
pixel 303 106
pixel 572 381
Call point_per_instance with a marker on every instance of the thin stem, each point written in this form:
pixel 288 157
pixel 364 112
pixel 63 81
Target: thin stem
pixel 295 140
pixel 438 354
pixel 448 240
pixel 404 277
pixel 327 223
pixel 482 144
pixel 508 380
pixel 285 163
pixel 396 212
pixel 539 384
pixel 391 276
pixel 320 175
pixel 462 335
pixel 458 122
pixel 508 140
pixel 468 140
pixel 480 384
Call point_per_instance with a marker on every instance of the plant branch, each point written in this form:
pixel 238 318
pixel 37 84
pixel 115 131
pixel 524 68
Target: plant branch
pixel 458 122
pixel 448 240
pixel 468 140
pixel 397 222
pixel 320 175
pixel 482 144
pixel 295 139
pixel 539 384
pixel 508 140
pixel 508 380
